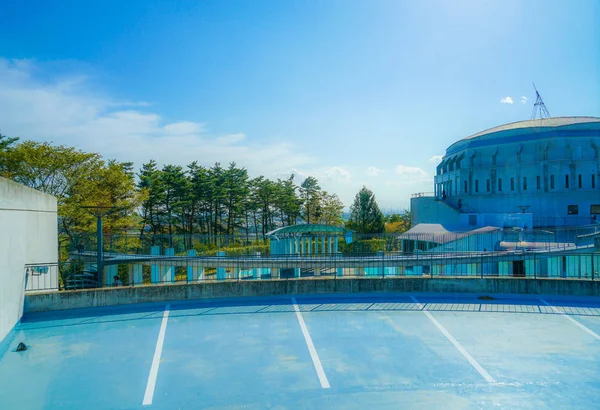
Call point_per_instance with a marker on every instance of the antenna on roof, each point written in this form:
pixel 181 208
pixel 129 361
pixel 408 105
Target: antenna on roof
pixel 539 107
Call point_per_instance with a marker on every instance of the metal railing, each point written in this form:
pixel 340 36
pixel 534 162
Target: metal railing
pixel 422 194
pixel 245 245
pixel 159 270
pixel 42 276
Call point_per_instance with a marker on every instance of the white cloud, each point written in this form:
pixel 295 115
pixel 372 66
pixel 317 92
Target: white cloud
pixel 68 110
pixel 506 100
pixel 231 139
pixel 337 174
pixel 409 175
pixel 183 128
pixel 72 110
pixel 302 174
pixel 436 159
pixel 374 171
pixel 332 174
pixel 524 100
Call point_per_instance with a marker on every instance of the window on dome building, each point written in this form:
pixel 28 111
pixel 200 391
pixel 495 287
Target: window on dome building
pixel 580 181
pixel 593 181
pixel 476 185
pixel 465 187
pixel 487 185
pixel 512 184
pixel 567 181
pixel 499 184
pixel 595 209
pixel 538 182
pixel 551 181
pixel 573 209
pixel 525 183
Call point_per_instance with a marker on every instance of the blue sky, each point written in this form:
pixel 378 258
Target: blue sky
pixel 353 92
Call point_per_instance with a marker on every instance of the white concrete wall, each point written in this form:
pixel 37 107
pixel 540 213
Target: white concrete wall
pixel 28 235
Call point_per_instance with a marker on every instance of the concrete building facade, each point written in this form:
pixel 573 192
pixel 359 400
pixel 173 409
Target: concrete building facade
pixel 529 174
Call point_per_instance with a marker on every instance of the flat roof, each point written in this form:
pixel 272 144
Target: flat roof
pixel 307 229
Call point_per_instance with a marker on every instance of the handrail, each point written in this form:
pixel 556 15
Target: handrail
pixel 422 194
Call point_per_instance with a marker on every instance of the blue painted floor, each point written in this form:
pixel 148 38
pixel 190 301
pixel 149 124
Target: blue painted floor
pixel 376 351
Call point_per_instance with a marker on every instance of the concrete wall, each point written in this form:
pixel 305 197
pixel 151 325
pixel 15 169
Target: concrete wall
pixel 477 242
pixel 430 210
pixel 161 293
pixel 28 234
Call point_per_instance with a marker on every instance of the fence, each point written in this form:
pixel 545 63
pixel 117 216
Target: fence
pixel 43 276
pixel 139 270
pixel 246 245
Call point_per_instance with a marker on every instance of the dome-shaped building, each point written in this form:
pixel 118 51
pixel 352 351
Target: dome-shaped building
pixel 534 173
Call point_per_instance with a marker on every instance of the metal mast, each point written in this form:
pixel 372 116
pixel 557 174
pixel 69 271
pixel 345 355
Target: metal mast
pixel 100 212
pixel 539 107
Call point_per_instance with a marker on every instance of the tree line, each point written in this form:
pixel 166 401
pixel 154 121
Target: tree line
pixel 212 201
pixel 221 200
pixel 170 199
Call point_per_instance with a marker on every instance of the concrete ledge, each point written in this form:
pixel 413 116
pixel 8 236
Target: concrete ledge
pixel 40 302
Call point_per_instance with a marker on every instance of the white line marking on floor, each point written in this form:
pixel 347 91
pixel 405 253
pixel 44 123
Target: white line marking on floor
pixel 452 340
pixel 556 310
pixel 311 348
pixel 156 360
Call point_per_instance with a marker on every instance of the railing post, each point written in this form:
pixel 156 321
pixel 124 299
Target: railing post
pixel 99 251
pixel 481 263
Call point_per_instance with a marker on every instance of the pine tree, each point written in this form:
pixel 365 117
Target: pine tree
pixel 365 215
pixel 310 193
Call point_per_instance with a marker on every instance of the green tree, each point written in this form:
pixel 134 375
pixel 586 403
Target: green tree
pixel 287 201
pixel 49 168
pixel 200 192
pixel 310 194
pixel 216 195
pixel 5 146
pixel 175 195
pixel 77 179
pixel 110 185
pixel 150 182
pixel 397 223
pixel 365 215
pixel 236 190
pixel 265 192
pixel 331 209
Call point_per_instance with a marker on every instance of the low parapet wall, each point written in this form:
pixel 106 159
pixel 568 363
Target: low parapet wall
pixel 39 302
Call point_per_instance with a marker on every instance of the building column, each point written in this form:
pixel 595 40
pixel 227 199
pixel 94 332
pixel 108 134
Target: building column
pixel 380 269
pixel 335 244
pixel 330 240
pixel 221 272
pixel 109 273
pixel 135 275
pixel 168 272
pixel 193 272
pixel 155 251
